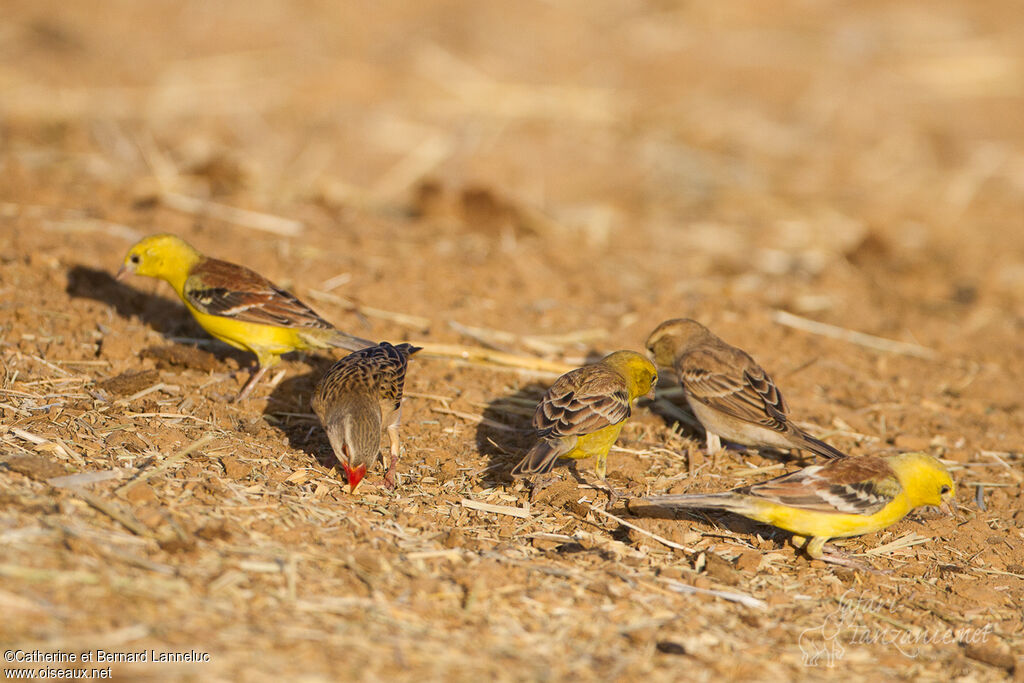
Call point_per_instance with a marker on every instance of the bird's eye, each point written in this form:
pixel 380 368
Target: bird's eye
pixel 134 258
pixel 944 490
pixel 654 380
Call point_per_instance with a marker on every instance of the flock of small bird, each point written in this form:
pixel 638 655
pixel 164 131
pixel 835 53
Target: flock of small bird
pixel 580 415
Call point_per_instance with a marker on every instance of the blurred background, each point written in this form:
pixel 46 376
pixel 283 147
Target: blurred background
pixel 734 137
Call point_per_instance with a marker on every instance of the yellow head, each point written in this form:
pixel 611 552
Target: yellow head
pixel 639 373
pixel 925 479
pixel 167 257
pixel 672 338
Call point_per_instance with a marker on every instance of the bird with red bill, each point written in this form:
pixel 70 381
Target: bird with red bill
pixel 359 397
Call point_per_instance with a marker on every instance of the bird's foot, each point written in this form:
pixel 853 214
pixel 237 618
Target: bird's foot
pixel 254 378
pixel 603 485
pixel 841 559
pixel 814 548
pixel 390 482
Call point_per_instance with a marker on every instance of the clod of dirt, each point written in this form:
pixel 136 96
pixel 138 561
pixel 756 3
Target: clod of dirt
pixel 26 505
pixel 993 654
pixel 455 538
pixel 545 544
pixel 140 493
pixel 369 562
pixel 846 575
pixel 176 544
pixel 178 355
pixel 485 211
pixel 639 637
pixel 447 471
pixel 477 207
pixel 561 494
pixel 748 561
pixel 124 439
pixel 214 531
pixel 429 200
pixel 667 647
pixel 251 427
pixel 234 468
pixel 871 249
pixel 556 494
pixel 721 570
pixel 35 467
pixel 130 382
pixel 222 173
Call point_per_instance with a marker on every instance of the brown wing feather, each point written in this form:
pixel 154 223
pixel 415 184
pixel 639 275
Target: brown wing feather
pixel 862 485
pixel 391 364
pixel 750 395
pixel 229 290
pixel 582 402
pixel 378 370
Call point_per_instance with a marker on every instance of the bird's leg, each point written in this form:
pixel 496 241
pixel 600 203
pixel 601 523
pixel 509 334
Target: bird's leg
pixel 714 442
pixel 396 449
pixel 613 496
pixel 848 562
pixel 813 546
pixel 253 380
pixel 815 549
pixel 600 469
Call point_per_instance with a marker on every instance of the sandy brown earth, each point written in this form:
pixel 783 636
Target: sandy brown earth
pixel 547 179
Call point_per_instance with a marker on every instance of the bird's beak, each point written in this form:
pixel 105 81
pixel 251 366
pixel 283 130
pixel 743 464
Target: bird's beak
pixel 948 506
pixel 123 273
pixel 355 476
pixel 650 394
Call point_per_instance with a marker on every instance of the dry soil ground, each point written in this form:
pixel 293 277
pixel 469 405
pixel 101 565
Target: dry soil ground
pixel 550 179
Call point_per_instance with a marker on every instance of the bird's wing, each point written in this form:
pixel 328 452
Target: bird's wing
pixel 389 365
pixel 378 371
pixel 857 486
pixel 582 402
pixel 228 290
pixel 355 374
pixel 734 384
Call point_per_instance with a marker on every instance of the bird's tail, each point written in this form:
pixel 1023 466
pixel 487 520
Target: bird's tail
pixel 343 340
pixel 733 502
pixel 821 448
pixel 541 458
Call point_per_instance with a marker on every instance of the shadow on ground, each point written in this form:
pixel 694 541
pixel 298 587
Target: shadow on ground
pixel 506 431
pixel 288 410
pixel 678 416
pixel 168 317
pixel 709 520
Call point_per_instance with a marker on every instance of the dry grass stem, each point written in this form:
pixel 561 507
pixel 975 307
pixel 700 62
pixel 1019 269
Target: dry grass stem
pixel 489 358
pixel 406 320
pixel 852 336
pixel 523 512
pixel 168 463
pixel 244 218
pixel 640 530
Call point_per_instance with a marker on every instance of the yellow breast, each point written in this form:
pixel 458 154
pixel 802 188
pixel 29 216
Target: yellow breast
pixel 596 443
pixel 831 525
pixel 266 341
